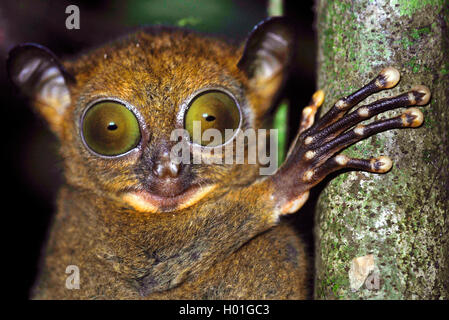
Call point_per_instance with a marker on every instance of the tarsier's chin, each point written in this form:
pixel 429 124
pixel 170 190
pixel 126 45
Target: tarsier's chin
pixel 140 225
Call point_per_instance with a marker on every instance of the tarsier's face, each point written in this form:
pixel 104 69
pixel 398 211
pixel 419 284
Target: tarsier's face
pixel 125 110
pixel 116 110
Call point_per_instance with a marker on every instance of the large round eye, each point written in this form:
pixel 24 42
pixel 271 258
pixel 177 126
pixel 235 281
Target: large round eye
pixel 110 129
pixel 213 110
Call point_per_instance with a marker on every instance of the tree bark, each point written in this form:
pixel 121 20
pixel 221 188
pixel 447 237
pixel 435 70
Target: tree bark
pixel 397 222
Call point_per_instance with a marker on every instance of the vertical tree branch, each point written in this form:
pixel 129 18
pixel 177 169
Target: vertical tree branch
pixel 402 217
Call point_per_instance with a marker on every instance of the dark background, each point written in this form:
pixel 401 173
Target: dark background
pixel 32 168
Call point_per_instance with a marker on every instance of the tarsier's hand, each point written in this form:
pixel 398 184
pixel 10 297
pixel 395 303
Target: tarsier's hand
pixel 313 154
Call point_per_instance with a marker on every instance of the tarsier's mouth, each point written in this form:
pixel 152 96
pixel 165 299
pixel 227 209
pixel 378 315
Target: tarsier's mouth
pixel 145 201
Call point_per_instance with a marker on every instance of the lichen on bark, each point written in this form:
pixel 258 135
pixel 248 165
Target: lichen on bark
pixel 401 217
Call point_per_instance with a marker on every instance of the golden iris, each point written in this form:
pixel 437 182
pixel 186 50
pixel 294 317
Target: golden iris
pixel 213 110
pixel 110 129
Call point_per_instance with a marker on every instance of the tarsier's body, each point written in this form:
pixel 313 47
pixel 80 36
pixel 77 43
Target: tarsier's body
pixel 140 227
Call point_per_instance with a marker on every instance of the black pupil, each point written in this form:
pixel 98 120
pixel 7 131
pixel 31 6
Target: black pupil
pixel 208 117
pixel 112 126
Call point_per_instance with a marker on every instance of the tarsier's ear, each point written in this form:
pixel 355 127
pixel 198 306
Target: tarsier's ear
pixel 267 56
pixel 38 74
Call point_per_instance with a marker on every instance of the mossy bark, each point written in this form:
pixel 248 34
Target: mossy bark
pixel 402 217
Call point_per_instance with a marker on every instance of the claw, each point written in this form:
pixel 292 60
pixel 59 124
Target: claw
pixel 412 117
pixel 425 94
pixel 389 77
pixel 381 165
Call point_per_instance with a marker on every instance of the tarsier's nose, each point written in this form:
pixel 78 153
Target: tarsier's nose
pixel 164 167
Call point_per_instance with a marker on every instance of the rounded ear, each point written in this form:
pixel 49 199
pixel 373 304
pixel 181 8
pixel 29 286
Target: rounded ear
pixel 266 57
pixel 38 74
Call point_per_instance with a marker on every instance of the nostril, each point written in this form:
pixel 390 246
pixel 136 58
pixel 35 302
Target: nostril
pixel 158 170
pixel 174 169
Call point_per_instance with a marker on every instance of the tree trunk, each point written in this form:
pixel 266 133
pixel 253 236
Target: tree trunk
pixel 396 224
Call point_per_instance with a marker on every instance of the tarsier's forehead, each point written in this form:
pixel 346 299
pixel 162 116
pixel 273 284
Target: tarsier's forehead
pixel 157 50
pixel 168 65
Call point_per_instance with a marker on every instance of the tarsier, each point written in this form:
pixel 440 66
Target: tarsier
pixel 140 226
